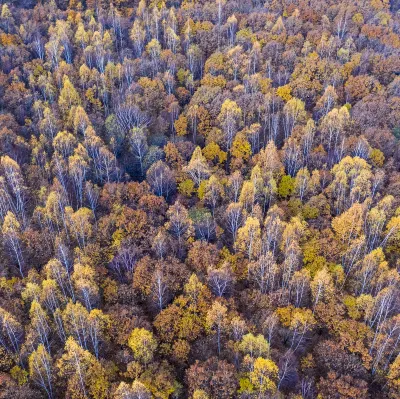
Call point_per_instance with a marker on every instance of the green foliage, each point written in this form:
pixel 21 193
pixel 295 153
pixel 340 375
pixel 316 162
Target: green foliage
pixel 295 206
pixel 286 186
pixel 201 191
pixel 351 305
pixel 20 375
pixel 255 346
pixel 186 188
pixel 396 132
pixel 309 212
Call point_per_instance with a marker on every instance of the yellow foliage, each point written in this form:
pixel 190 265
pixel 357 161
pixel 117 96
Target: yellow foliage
pixel 181 125
pixel 358 19
pixel 20 375
pixel 143 345
pixel 284 92
pixel 212 152
pixel 8 39
pixel 377 158
pixel 201 191
pixel 264 375
pixel 214 81
pixel 241 147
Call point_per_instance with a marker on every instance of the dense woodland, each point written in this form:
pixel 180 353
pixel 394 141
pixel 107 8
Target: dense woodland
pixel 200 199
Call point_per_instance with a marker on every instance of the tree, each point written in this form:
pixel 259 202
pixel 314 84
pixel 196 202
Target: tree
pixel 161 179
pixel 15 189
pixel 216 321
pixel 180 125
pixel 56 271
pixel 200 394
pixel 143 345
pixel 248 195
pixel 232 26
pixel 78 168
pixel 137 35
pixel 69 97
pixel 274 228
pixel 40 326
pixel 254 346
pixel 286 186
pixel 136 391
pixel 328 100
pixel 220 280
pixel 373 265
pixel 201 256
pixel 333 125
pixel 81 120
pixel 12 237
pixel 6 15
pixel 11 332
pixel 138 142
pixel 299 287
pixel 179 223
pixel 302 183
pixel 81 225
pixel 84 375
pixel 215 377
pixel 160 289
pixel 153 48
pixel 263 272
pixel 220 3
pixel 294 112
pixel 394 376
pixel 213 192
pixel 234 217
pixel 40 370
pixel 241 149
pixel 85 285
pixel 345 386
pixel 292 156
pixel 264 375
pixel 99 325
pixel 229 118
pixel 348 226
pixel 322 287
pixel 269 161
pixel 197 167
pixel 89 329
pixel 300 322
pixel 249 237
pixel 75 321
pixel 234 184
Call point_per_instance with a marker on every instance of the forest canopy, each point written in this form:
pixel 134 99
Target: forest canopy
pixel 200 199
